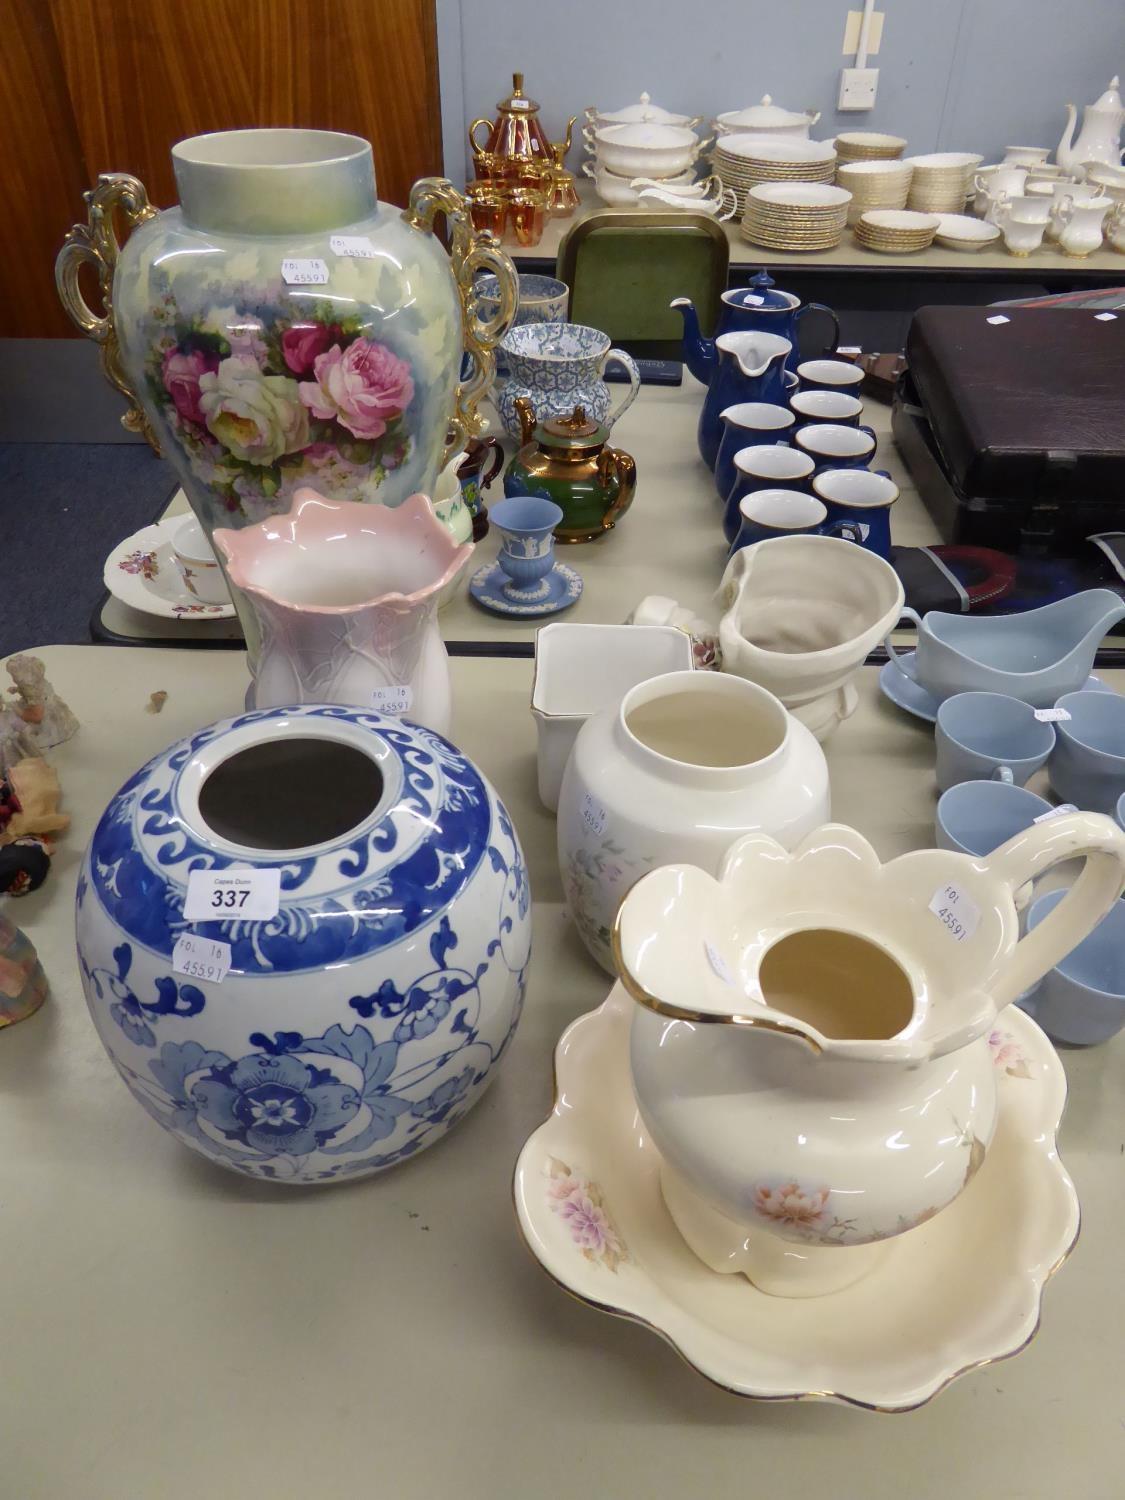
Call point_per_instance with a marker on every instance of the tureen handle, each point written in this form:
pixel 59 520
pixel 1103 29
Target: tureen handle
pixel 1091 837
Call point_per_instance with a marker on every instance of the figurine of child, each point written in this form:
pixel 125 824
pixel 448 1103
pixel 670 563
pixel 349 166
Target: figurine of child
pixel 37 704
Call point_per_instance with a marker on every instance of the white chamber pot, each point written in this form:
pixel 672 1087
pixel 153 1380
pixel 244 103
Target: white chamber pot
pixel 676 771
pixel 581 670
pixel 800 614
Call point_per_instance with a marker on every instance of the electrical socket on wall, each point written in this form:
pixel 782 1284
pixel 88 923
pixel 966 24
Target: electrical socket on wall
pixel 857 88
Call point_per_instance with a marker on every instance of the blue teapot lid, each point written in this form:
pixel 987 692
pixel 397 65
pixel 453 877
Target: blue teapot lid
pixel 760 294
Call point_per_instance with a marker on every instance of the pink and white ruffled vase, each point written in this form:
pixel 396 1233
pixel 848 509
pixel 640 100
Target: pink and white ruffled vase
pixel 345 599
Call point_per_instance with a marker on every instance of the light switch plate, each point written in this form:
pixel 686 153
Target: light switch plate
pixel 857 88
pixel 874 32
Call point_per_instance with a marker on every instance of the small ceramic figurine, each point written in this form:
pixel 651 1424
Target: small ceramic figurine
pixel 37 703
pixel 33 806
pixel 17 738
pixel 24 865
pixel 23 985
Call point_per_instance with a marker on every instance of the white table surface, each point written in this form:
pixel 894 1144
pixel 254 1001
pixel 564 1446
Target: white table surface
pixel 172 1331
pixel 670 542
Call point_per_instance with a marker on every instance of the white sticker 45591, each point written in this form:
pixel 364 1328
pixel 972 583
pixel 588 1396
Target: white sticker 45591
pixel 956 910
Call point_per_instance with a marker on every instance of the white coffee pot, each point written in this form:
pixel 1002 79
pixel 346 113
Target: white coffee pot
pixel 1100 137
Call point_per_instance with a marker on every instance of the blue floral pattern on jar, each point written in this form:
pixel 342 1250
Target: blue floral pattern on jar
pixel 361 1023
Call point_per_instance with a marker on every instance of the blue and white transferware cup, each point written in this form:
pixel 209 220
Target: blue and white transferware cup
pixel 772 513
pixel 1082 1000
pixel 526 524
pixel 745 424
pixel 1087 765
pixel 830 375
pixel 765 466
pixel 542 299
pixel 834 446
pixel 826 406
pixel 978 734
pixel 862 498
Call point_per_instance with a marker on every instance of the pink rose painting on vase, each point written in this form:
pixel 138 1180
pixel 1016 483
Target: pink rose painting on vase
pixel 364 388
pixel 264 403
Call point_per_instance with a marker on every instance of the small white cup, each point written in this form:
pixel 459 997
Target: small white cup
pixel 197 564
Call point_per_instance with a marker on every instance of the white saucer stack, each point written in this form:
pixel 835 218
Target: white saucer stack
pixel 875 184
pixel 795 215
pixel 743 161
pixel 942 181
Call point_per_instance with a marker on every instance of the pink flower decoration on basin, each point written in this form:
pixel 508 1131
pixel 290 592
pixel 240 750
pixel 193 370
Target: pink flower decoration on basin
pixel 363 387
pixel 334 557
pixel 180 373
pixel 788 1204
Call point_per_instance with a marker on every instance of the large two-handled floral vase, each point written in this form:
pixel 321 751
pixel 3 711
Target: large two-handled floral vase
pixel 359 1023
pixel 281 327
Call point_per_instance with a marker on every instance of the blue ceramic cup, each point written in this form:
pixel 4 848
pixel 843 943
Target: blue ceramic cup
pixel 834 446
pixel 1087 766
pixel 526 524
pixel 771 513
pixel 766 466
pixel 744 425
pixel 980 733
pixel 976 817
pixel 830 375
pixel 826 406
pixel 864 499
pixel 1082 1000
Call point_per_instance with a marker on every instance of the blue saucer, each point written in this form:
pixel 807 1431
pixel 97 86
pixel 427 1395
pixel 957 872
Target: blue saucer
pixel 491 587
pixel 905 693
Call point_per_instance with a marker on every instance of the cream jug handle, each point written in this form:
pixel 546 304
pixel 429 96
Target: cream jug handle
pixel 905 665
pixel 1091 837
pixel 630 366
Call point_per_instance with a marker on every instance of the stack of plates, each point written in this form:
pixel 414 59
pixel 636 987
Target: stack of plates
pixel 875 184
pixel 743 161
pixel 942 181
pixel 895 231
pixel 795 215
pixel 869 145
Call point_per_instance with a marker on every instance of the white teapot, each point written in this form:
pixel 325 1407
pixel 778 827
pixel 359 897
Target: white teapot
pixel 1100 138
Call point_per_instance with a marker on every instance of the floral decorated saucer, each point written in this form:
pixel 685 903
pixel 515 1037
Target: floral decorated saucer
pixel 960 1291
pixel 141 571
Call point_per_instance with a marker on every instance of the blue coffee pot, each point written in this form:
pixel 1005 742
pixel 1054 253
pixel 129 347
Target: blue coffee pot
pixel 757 308
pixel 750 367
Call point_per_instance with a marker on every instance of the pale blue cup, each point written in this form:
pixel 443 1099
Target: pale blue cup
pixel 1087 766
pixel 976 817
pixel 978 734
pixel 1082 1000
pixel 526 524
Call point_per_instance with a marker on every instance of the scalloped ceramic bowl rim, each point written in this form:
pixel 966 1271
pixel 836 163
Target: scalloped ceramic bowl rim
pixel 520 341
pixel 711 1353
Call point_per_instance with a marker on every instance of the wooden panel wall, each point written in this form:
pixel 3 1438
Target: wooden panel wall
pixel 111 87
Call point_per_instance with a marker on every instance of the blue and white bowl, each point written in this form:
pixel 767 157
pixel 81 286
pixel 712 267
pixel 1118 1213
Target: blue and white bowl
pixel 359 1024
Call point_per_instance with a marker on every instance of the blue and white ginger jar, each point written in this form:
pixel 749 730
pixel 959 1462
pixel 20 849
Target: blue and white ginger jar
pixel 361 1023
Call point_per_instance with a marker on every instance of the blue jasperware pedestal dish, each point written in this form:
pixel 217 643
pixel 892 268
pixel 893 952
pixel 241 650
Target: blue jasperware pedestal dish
pixel 363 1020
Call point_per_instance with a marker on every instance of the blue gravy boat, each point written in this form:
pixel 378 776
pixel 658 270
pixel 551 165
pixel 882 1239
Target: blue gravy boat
pixel 757 308
pixel 1036 656
pixel 751 367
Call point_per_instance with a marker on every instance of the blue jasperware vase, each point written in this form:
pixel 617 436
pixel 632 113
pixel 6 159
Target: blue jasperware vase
pixel 357 1025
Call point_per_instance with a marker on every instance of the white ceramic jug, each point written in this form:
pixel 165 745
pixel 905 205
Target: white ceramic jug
pixel 810 1052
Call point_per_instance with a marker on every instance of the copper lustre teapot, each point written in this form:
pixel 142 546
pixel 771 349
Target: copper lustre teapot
pixel 516 137
pixel 567 460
